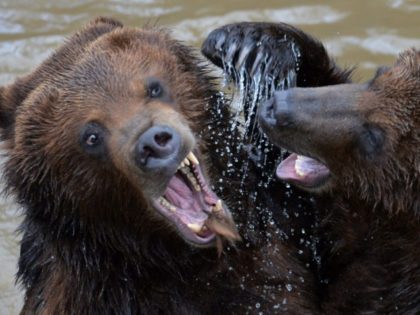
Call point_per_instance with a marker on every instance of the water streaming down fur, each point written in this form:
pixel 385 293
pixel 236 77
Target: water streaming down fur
pixel 242 144
pixel 247 93
pixel 247 152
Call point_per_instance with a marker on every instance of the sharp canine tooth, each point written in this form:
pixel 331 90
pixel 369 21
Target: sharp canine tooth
pixel 218 207
pixel 195 227
pixel 192 158
pixel 172 208
pixel 186 161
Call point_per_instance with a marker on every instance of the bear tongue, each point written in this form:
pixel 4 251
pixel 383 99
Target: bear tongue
pixel 190 205
pixel 201 211
pixel 302 170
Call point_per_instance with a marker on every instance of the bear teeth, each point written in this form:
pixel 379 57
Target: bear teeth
pixel 218 206
pixel 298 166
pixel 191 156
pixel 190 159
pixel 191 177
pixel 187 167
pixel 167 204
pixel 195 227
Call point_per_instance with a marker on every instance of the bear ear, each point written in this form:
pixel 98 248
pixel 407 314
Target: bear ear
pixel 13 95
pixel 11 98
pixel 105 20
pixel 409 62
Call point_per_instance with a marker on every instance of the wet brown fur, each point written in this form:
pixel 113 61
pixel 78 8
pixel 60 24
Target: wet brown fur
pixel 374 222
pixel 369 214
pixel 92 244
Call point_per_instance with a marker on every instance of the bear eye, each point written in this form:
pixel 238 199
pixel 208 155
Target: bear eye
pixel 92 138
pixel 154 89
pixel 371 141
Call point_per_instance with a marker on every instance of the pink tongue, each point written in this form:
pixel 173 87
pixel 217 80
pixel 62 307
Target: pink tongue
pixel 312 172
pixel 189 204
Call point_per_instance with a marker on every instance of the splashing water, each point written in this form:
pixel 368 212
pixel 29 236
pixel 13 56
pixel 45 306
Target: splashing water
pixel 250 158
pixel 248 92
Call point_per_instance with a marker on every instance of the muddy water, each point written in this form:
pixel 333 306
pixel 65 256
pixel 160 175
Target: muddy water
pixel 365 33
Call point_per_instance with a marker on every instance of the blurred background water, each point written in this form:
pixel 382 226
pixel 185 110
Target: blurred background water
pixel 359 32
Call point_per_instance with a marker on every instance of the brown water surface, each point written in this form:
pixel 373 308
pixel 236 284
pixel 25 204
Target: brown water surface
pixel 363 33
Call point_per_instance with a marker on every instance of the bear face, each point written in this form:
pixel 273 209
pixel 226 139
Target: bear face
pixel 353 137
pixel 121 113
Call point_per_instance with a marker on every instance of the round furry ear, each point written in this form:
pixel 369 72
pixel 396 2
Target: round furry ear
pixel 105 20
pixel 13 100
pixel 35 115
pixel 409 63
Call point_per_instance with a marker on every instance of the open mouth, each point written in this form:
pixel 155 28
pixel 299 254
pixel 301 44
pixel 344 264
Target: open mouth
pixel 189 203
pixel 303 171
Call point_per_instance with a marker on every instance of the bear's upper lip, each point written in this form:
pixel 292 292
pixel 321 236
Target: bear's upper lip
pixel 196 211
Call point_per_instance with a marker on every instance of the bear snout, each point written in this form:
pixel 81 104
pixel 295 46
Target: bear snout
pixel 276 113
pixel 157 149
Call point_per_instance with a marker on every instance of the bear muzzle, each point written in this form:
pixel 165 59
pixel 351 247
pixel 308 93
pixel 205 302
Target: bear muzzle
pixel 157 149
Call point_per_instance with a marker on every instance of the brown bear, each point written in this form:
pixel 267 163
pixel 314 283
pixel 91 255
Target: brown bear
pixel 358 145
pixel 109 144
pixel 361 143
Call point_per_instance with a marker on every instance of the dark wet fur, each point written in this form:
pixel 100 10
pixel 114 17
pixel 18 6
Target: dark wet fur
pixel 368 227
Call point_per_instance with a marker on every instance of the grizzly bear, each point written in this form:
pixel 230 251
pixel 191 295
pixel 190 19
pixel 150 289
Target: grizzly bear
pixel 113 151
pixel 358 145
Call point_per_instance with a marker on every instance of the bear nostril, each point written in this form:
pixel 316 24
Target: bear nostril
pixel 266 113
pixel 270 111
pixel 143 155
pixel 163 138
pixel 157 147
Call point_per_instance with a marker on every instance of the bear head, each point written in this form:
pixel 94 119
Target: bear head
pixel 356 138
pixel 105 130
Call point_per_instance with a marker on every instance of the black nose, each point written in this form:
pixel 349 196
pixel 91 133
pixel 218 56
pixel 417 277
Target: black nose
pixel 266 113
pixel 276 111
pixel 157 148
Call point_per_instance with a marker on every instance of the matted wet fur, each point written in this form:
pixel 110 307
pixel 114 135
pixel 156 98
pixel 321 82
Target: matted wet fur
pixel 93 138
pixel 356 144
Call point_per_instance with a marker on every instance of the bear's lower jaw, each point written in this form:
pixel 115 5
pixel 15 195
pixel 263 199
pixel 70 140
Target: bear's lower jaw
pixel 190 205
pixel 304 172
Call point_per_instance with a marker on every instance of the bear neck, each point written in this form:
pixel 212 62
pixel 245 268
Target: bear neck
pixel 80 251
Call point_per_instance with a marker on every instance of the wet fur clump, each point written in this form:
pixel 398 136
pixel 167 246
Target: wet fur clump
pixel 225 229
